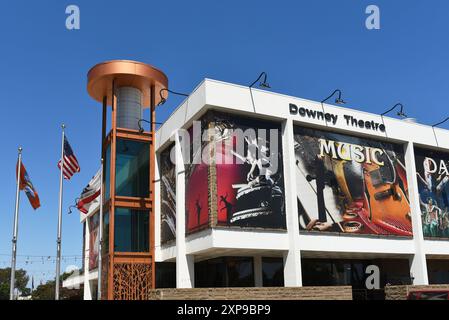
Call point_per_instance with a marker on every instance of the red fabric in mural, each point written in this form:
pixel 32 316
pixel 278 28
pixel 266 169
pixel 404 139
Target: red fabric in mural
pixel 197 206
pixel 227 175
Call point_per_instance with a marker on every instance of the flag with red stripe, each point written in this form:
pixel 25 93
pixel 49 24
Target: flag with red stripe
pixel 89 194
pixel 71 165
pixel 27 186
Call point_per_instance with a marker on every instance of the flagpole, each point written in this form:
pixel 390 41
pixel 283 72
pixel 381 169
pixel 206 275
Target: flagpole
pixel 15 229
pixel 58 241
pixel 100 234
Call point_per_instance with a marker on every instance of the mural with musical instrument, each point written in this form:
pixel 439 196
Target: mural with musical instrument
pixel 432 170
pixel 168 195
pixel 348 184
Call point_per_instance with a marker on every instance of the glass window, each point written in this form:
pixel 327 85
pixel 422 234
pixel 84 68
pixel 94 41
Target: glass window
pixel 105 246
pixel 438 271
pixel 225 272
pixel 131 232
pixel 317 273
pixel 210 273
pixel 273 272
pixel 132 169
pixel 324 272
pixel 240 272
pixel 107 173
pixel 165 275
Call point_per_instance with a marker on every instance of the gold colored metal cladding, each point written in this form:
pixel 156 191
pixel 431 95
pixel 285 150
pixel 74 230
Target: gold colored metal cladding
pixel 127 275
pixel 125 73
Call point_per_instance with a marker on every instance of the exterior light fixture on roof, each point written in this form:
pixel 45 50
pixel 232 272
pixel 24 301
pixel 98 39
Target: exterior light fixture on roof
pixel 338 100
pixel 436 125
pixel 141 129
pixel 400 113
pixel 441 122
pixel 164 99
pixel 263 83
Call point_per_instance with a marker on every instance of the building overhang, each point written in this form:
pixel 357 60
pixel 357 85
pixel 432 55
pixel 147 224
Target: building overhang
pixel 240 100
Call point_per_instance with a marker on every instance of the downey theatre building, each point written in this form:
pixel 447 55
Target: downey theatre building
pixel 254 188
pixel 349 190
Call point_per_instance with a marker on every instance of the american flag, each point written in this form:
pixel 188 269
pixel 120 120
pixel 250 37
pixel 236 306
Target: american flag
pixel 71 165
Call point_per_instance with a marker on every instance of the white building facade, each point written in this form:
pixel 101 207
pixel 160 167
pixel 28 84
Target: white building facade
pixel 350 190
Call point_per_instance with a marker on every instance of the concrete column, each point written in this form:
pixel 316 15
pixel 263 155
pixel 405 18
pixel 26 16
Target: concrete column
pixel 157 207
pixel 190 279
pixel 258 273
pixel 292 258
pixel 87 288
pixel 418 265
pixel 184 263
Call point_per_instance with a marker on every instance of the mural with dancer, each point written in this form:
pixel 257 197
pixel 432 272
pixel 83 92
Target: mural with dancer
pixel 432 169
pixel 249 172
pixel 197 187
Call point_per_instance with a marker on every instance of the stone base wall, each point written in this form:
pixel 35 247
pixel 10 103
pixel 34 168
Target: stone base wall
pixel 401 292
pixel 298 293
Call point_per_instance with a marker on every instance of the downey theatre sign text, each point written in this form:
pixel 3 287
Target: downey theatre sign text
pixel 333 118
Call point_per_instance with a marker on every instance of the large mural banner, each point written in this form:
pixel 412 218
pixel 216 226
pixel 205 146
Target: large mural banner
pixel 249 173
pixel 168 196
pixel 432 169
pixel 352 185
pixel 197 184
pixel 94 241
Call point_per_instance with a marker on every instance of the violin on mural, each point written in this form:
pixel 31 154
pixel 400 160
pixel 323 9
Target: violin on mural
pixel 389 207
pixel 360 184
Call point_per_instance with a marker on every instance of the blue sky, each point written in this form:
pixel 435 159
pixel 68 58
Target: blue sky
pixel 308 49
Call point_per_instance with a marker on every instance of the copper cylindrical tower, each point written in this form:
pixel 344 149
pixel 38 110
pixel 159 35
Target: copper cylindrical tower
pixel 128 268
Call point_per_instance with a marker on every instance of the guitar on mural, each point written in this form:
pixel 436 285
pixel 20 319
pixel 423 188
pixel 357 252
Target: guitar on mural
pixel 364 190
pixel 388 205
